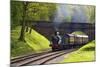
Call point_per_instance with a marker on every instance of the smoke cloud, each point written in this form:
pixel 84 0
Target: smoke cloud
pixel 60 15
pixel 79 15
pixel 64 12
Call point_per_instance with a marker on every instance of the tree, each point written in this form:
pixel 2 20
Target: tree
pixel 16 13
pixel 23 13
pixel 22 34
pixel 38 12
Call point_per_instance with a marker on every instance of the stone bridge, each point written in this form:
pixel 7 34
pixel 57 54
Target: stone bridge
pixel 47 28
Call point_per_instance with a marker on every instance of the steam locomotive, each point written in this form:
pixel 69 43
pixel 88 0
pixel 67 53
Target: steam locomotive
pixel 70 41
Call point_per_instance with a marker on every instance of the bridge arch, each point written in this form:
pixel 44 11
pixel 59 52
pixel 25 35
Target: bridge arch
pixel 47 29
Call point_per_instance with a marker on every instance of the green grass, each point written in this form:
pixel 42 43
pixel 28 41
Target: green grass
pixel 35 42
pixel 86 53
pixel 79 32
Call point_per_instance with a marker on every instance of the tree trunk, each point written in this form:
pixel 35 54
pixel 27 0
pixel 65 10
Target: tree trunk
pixel 26 28
pixel 22 34
pixel 30 30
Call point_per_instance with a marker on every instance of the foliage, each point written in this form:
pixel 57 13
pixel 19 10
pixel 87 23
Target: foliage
pixel 68 18
pixel 90 11
pixel 86 53
pixel 34 12
pixel 40 11
pixel 16 13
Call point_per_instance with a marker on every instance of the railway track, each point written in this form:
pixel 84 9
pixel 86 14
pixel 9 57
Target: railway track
pixel 39 59
pixel 14 60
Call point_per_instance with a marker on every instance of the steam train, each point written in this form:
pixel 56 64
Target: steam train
pixel 70 41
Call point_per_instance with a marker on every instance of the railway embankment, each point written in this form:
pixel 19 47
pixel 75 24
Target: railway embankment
pixel 85 53
pixel 34 43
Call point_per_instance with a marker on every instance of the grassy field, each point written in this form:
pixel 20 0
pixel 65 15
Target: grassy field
pixel 35 42
pixel 86 53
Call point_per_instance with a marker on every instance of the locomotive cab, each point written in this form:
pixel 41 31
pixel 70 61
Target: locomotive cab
pixel 56 41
